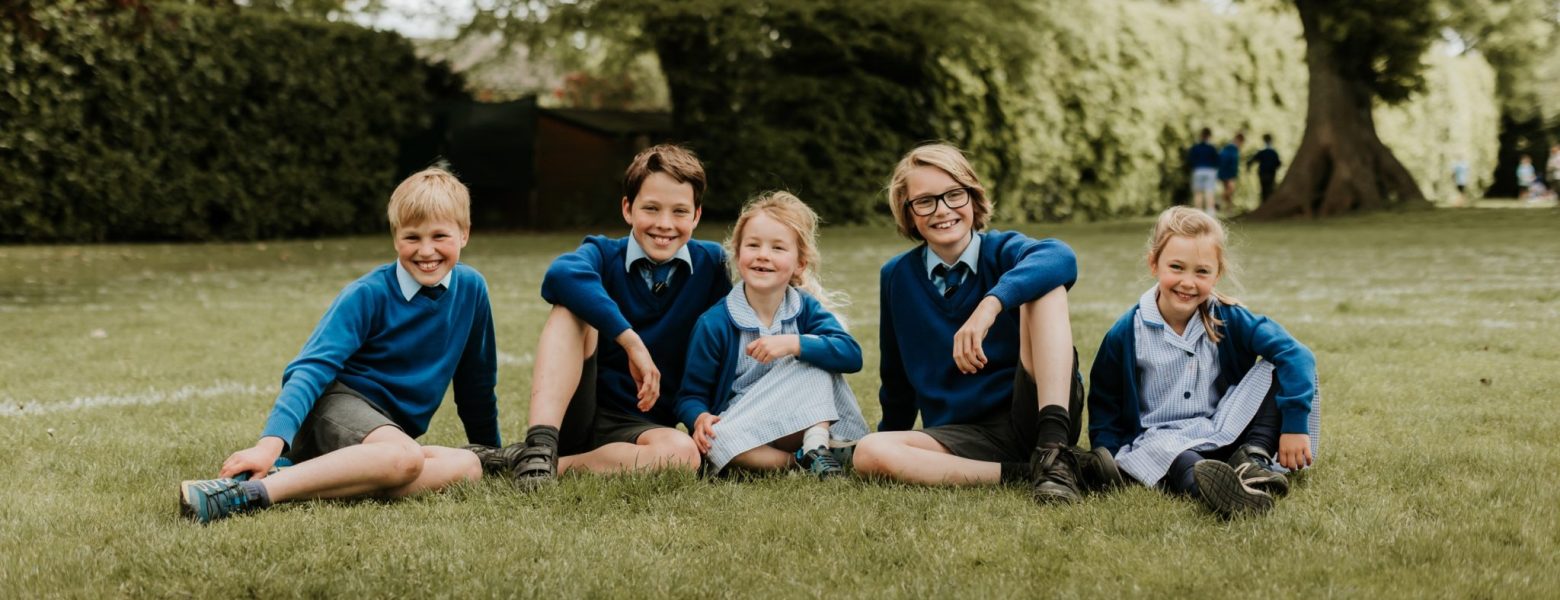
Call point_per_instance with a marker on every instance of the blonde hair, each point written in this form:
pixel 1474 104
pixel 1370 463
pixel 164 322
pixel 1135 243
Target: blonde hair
pixel 430 194
pixel 951 161
pixel 788 210
pixel 1181 221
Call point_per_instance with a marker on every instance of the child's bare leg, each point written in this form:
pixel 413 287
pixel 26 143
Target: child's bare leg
pixel 387 459
pixel 1045 347
pixel 659 448
pixel 442 467
pixel 560 355
pixel 764 458
pixel 914 457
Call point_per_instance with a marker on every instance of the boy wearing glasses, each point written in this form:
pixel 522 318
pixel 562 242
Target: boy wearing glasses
pixel 617 337
pixel 976 340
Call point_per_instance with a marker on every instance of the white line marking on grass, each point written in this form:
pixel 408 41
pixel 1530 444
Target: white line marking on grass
pixel 509 360
pixel 12 407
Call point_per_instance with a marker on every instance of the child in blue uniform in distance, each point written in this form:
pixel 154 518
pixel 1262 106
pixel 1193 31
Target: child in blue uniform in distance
pixel 763 388
pixel 1192 392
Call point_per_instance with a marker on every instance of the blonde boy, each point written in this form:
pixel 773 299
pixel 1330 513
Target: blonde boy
pixel 370 377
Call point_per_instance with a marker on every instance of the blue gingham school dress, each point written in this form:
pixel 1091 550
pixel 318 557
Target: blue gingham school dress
pixel 771 401
pixel 1180 407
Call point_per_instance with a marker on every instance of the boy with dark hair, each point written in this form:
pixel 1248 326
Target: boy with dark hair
pixel 370 377
pixel 1267 163
pixel 617 338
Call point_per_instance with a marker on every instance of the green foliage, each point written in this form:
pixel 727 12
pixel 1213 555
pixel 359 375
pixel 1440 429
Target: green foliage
pixel 190 123
pixel 1069 110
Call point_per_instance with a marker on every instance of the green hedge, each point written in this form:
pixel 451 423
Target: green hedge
pixel 198 124
pixel 1071 110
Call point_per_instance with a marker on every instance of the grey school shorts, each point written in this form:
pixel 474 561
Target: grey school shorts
pixel 587 427
pixel 342 417
pixel 1002 437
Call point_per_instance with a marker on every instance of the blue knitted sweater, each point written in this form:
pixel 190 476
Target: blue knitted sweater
pixel 917 327
pixel 594 284
pixel 401 354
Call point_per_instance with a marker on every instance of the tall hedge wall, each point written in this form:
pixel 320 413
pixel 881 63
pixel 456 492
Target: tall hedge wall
pixel 1071 110
pixel 197 124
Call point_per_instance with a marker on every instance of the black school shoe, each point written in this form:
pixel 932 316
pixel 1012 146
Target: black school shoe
pixel 1053 471
pixel 496 461
pixel 1098 470
pixel 1220 488
pixel 1258 471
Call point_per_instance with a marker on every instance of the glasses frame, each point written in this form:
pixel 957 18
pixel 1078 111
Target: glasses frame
pixel 969 194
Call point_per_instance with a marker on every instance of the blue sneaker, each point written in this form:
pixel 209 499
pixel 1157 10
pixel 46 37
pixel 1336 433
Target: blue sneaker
pixel 820 461
pixel 207 500
pixel 844 452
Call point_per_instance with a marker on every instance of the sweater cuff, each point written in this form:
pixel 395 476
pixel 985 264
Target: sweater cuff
pixel 688 412
pixel 1297 420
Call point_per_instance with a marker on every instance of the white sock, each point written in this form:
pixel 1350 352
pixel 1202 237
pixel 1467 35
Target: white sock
pixel 816 436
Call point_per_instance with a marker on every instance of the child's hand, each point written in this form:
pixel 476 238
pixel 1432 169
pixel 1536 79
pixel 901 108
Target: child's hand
pixel 255 461
pixel 642 368
pixel 967 351
pixel 1294 451
pixel 704 431
pixel 771 347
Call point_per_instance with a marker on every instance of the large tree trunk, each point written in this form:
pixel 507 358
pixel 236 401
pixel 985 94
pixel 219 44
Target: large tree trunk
pixel 1341 165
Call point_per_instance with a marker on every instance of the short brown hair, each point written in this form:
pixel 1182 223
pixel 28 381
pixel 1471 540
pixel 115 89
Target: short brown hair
pixel 676 161
pixel 952 162
pixel 431 193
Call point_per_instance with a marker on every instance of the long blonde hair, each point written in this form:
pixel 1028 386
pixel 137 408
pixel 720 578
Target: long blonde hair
pixel 785 208
pixel 1181 221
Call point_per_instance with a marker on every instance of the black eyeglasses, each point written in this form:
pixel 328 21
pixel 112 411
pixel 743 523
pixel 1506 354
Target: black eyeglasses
pixel 926 205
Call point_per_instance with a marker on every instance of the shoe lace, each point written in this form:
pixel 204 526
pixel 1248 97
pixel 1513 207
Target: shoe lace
pixel 1060 465
pixel 223 496
pixel 822 461
pixel 1241 474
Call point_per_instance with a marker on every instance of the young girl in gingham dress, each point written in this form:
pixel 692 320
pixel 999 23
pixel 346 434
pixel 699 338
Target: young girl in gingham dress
pixel 1192 392
pixel 763 388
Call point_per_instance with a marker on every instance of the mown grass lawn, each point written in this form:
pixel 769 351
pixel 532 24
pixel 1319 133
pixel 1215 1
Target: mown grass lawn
pixel 126 368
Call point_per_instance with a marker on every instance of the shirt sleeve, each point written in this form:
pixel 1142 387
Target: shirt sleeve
pixel 476 378
pixel 339 334
pixel 574 281
pixel 1032 268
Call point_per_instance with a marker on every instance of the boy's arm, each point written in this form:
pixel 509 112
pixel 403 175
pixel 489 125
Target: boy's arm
pixel 825 343
pixel 1107 398
pixel 476 377
pixel 707 353
pixel 340 333
pixel 895 393
pixel 1031 269
pixel 574 281
pixel 1294 367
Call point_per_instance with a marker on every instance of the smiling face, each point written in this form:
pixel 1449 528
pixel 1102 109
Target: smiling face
pixel 947 230
pixel 428 250
pixel 663 216
pixel 767 254
pixel 1187 269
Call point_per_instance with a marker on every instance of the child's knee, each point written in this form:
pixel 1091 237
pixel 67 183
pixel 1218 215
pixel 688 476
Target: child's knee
pixel 403 463
pixel 677 452
pixel 872 455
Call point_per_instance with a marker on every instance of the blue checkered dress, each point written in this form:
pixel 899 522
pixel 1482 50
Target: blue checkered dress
pixel 771 401
pixel 1181 409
